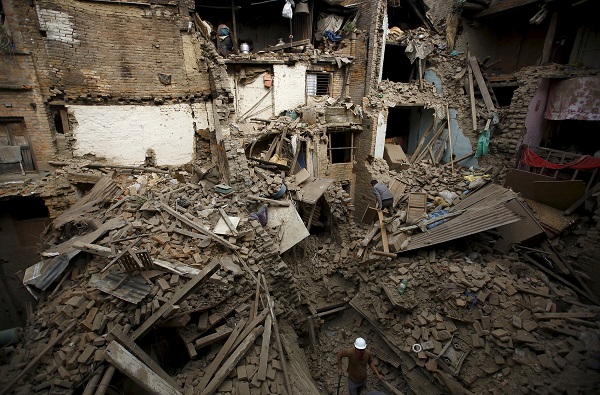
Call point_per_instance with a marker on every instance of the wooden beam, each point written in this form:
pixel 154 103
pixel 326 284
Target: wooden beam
pixel 228 222
pixel 253 324
pixel 450 138
pixel 213 338
pixel 481 84
pixel 133 368
pixel 287 45
pixel 580 201
pixel 199 228
pixel 264 350
pixel 38 357
pixel 179 295
pixel 283 203
pixel 270 304
pixel 232 361
pixel 107 166
pixel 133 348
pixel 552 316
pixel 214 365
pixel 384 238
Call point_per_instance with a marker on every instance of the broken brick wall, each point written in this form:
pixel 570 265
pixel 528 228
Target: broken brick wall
pixel 513 126
pixel 20 98
pixel 94 55
pixel 114 50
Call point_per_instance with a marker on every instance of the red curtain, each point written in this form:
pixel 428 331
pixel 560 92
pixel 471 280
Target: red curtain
pixel 586 162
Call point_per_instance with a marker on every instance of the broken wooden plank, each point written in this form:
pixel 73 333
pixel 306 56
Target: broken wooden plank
pixel 199 228
pixel 122 253
pixel 107 166
pixel 270 304
pixel 287 45
pixel 38 357
pixel 264 350
pixel 481 84
pixel 253 324
pixel 212 338
pixel 551 316
pixel 133 348
pixel 133 368
pixel 232 361
pixel 230 225
pixel 384 239
pixel 284 203
pixel 93 249
pixel 579 202
pixel 471 94
pixel 214 365
pixel 181 293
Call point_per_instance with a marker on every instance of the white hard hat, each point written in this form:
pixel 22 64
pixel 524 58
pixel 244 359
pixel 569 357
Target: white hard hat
pixel 360 343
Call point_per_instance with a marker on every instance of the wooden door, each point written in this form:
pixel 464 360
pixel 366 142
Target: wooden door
pixel 13 132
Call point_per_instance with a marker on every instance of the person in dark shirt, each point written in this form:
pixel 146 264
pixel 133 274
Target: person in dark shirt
pixel 358 360
pixel 384 197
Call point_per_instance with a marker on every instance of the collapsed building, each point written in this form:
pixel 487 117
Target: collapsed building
pixel 186 200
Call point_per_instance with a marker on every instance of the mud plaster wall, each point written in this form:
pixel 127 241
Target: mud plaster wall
pixel 253 99
pixel 122 134
pixel 110 49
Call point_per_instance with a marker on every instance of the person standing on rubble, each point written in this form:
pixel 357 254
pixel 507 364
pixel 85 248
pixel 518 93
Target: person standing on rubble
pixel 358 360
pixel 384 197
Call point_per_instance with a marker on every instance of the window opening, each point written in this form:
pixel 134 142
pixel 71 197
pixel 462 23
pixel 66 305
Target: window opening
pixel 61 121
pixel 504 94
pixel 318 84
pixel 341 146
pixel 406 125
pixel 396 65
pixel 13 133
pixel 403 15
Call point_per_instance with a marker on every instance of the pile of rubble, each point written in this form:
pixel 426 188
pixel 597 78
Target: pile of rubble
pixel 186 260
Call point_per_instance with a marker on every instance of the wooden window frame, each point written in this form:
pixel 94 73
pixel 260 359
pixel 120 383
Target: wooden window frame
pixel 330 148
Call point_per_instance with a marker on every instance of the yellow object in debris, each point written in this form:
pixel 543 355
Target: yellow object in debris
pixel 472 178
pixel 438 200
pixel 276 159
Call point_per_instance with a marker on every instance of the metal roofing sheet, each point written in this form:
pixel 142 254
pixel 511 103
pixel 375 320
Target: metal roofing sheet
pixel 132 289
pixel 487 196
pixel 471 222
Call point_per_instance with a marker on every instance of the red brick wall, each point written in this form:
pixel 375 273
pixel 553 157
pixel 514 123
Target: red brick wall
pixel 107 49
pixel 20 98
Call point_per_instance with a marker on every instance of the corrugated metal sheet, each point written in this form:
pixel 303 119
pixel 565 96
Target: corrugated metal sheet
pixel 104 189
pixel 487 196
pixel 132 289
pixel 471 222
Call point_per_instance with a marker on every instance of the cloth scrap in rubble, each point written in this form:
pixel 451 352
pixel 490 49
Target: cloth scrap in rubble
pixel 261 215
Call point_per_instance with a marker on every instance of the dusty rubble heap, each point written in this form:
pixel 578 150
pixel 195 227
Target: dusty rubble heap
pixel 471 319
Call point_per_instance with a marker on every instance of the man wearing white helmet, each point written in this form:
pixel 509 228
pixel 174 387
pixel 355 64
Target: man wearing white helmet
pixel 358 360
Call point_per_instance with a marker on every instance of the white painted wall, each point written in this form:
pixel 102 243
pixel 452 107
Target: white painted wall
pixel 122 134
pixel 380 136
pixel 252 95
pixel 289 84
